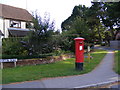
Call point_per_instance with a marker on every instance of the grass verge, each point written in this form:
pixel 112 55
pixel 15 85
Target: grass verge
pixel 117 61
pixel 61 68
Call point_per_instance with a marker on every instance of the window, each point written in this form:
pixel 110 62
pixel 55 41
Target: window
pixel 29 25
pixel 16 24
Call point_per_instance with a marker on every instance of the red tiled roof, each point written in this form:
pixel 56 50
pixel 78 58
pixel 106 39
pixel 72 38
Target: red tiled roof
pixel 11 12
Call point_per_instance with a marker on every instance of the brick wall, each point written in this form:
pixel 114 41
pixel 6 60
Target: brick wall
pixel 51 59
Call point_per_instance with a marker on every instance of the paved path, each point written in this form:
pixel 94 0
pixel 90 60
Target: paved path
pixel 115 86
pixel 102 74
pixel 105 48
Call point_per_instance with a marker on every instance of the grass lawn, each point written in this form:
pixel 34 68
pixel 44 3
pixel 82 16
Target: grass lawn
pixel 117 61
pixel 61 68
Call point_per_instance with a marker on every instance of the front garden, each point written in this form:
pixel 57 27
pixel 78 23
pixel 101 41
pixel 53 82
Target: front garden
pixel 57 69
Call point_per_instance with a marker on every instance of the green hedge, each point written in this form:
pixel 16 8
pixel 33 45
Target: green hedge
pixel 25 57
pixel 12 46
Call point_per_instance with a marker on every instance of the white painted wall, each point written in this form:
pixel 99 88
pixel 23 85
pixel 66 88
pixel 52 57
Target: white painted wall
pixel 1 24
pixel 23 25
pixel 5 24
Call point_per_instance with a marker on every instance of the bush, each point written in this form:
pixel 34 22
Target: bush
pixel 25 57
pixel 66 41
pixel 88 44
pixel 12 46
pixel 60 52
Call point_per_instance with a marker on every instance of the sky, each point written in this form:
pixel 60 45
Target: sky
pixel 59 10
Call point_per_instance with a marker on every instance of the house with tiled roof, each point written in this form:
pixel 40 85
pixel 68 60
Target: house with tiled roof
pixel 14 22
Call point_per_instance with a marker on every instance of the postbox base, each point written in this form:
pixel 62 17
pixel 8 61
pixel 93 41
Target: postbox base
pixel 79 66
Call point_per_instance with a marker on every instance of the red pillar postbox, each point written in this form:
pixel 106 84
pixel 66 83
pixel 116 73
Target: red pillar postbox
pixel 79 52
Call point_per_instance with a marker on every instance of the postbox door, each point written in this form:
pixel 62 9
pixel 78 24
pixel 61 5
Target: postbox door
pixel 79 51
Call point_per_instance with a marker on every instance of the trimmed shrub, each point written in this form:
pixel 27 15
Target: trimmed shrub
pixel 12 46
pixel 25 57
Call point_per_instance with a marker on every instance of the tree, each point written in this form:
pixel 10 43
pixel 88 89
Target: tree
pixel 78 11
pixel 109 15
pixel 94 22
pixel 85 22
pixel 66 41
pixel 80 27
pixel 39 41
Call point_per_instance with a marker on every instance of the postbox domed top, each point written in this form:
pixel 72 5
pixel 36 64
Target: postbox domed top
pixel 79 38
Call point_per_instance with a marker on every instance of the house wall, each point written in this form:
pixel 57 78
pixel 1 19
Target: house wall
pixel 1 24
pixel 5 24
pixel 23 25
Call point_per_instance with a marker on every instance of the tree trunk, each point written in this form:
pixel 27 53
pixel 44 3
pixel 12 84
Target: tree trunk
pixel 112 33
pixel 100 37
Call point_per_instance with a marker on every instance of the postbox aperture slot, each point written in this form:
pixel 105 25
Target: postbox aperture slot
pixel 80 43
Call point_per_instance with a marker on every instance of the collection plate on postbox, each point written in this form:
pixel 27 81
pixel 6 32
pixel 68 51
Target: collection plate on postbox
pixel 80 48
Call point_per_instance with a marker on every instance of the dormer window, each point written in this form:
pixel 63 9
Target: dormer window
pixel 15 24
